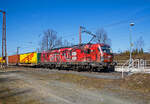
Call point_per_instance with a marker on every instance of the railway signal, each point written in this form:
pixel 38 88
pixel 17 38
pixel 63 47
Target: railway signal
pixel 18 55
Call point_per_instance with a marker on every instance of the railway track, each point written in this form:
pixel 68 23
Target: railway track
pixel 101 75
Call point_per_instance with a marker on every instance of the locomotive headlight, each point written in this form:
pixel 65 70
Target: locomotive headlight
pixel 111 50
pixel 102 58
pixel 109 56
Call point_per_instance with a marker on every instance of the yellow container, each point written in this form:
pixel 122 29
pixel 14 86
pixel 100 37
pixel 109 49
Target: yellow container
pixel 28 58
pixel 1 60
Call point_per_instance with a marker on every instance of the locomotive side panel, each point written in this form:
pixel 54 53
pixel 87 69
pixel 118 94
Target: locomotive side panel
pixel 89 56
pixel 75 54
pixel 44 57
pixel 51 56
pixel 92 54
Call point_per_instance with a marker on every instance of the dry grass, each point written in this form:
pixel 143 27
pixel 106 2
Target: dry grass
pixel 9 96
pixel 82 81
pixel 7 100
pixel 136 82
pixel 126 56
pixel 139 82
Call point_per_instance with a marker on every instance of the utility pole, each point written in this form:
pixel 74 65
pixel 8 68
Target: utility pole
pixel 80 37
pixel 47 43
pixel 18 55
pixel 4 48
pixel 130 61
pixel 80 40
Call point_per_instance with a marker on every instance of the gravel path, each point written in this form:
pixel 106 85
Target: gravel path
pixel 47 91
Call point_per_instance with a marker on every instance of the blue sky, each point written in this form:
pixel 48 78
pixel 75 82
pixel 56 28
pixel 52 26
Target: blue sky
pixel 27 19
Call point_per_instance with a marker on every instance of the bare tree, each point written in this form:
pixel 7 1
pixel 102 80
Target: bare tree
pixel 139 44
pixel 102 37
pixel 67 43
pixel 50 40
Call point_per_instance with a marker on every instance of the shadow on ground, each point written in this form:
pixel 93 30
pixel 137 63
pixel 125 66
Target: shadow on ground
pixel 6 93
pixel 9 72
pixel 6 80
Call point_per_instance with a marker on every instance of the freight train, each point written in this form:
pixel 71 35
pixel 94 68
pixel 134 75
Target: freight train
pixel 89 57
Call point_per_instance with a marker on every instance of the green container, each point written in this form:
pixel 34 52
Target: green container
pixel 38 58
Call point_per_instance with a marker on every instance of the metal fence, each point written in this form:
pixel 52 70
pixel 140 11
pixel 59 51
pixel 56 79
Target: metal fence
pixel 147 64
pixel 138 65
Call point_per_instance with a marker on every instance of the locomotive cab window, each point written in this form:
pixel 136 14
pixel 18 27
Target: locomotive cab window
pixel 106 49
pixel 88 51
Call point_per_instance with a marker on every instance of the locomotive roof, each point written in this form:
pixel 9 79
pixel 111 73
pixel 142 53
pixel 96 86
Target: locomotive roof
pixel 69 46
pixel 102 44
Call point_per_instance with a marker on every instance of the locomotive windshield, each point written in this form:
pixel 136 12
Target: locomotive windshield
pixel 106 49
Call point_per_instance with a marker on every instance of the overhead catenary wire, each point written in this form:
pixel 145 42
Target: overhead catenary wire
pixel 130 19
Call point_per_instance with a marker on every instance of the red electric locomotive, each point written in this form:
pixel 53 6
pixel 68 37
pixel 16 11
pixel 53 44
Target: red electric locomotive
pixel 91 57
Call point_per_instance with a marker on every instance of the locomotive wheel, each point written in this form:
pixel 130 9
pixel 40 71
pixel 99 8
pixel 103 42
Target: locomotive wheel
pixel 89 68
pixel 106 69
pixel 94 69
pixel 75 68
pixel 53 66
pixel 60 68
pixel 78 69
pixel 112 68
